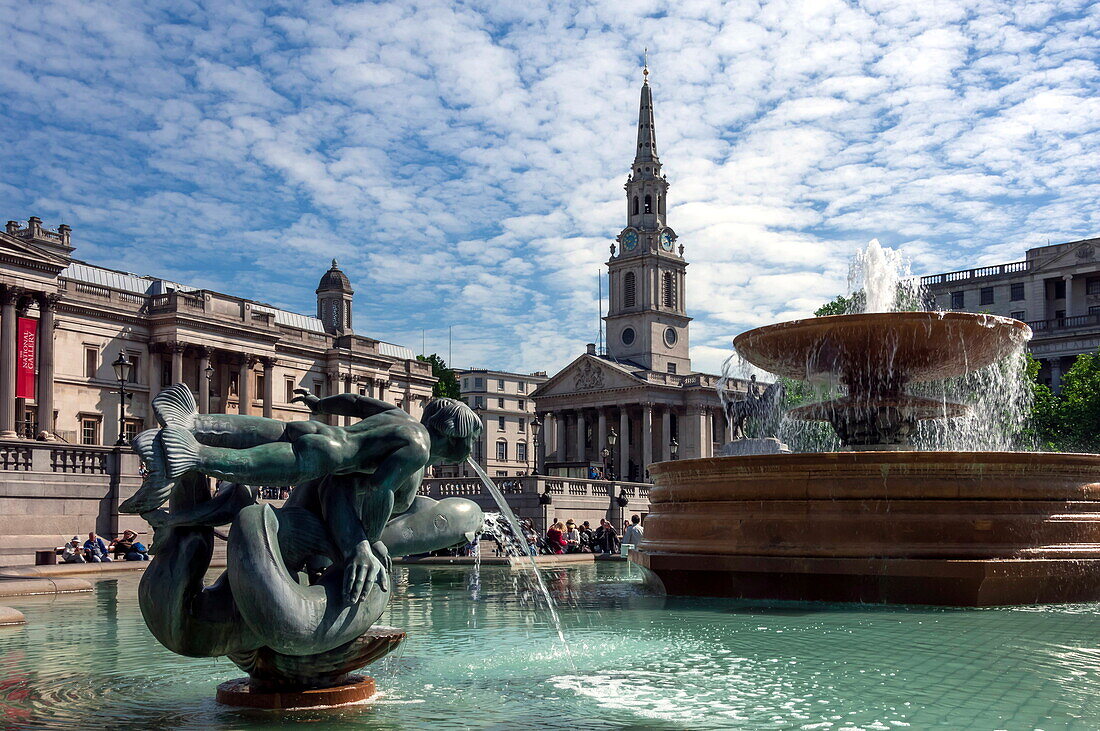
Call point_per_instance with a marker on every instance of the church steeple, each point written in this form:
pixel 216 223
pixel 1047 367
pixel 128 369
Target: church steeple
pixel 647 321
pixel 647 133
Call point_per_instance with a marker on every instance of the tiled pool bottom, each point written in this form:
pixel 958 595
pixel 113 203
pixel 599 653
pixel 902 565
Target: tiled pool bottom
pixel 480 656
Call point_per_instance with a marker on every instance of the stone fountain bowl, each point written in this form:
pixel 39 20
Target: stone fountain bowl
pixel 895 346
pixel 949 528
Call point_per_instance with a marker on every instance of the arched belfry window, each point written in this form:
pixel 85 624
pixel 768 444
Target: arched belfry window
pixel 669 289
pixel 649 204
pixel 629 290
pixel 635 205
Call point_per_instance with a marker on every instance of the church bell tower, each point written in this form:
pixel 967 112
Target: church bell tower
pixel 647 322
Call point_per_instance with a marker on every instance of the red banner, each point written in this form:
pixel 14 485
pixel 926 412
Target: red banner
pixel 26 347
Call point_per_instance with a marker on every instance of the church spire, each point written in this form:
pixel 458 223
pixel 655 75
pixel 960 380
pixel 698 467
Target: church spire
pixel 647 134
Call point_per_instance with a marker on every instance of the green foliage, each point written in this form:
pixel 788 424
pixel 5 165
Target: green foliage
pixel 446 385
pixel 1070 420
pixel 840 306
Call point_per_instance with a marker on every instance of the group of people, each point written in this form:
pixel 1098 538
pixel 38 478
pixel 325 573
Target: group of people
pixel 95 550
pixel 569 537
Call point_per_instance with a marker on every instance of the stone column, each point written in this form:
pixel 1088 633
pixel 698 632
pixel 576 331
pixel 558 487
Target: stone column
pixel 223 384
pixel 244 385
pixel 269 385
pixel 581 428
pixel 1055 373
pixel 601 430
pixel 204 379
pixel 1068 279
pixel 666 433
pixel 177 362
pixel 47 305
pixel 332 388
pixel 647 439
pixel 624 446
pixel 560 440
pixel 10 298
pixel 704 431
pixel 694 447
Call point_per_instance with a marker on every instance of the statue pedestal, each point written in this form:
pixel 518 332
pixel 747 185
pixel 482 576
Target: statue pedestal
pixel 745 447
pixel 239 692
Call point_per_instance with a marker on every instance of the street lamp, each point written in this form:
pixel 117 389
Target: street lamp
pixel 122 366
pixel 536 424
pixel 612 440
pixel 673 448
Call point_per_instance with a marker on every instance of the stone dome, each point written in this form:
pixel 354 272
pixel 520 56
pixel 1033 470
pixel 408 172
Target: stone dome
pixel 334 280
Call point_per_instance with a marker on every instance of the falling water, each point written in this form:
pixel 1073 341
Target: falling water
pixel 517 531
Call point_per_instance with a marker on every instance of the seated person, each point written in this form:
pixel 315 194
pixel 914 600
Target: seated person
pixel 72 552
pixel 572 537
pixel 95 550
pixel 129 547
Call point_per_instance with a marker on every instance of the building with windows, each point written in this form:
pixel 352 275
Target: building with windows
pixel 503 402
pixel 1055 289
pixel 640 401
pixel 68 320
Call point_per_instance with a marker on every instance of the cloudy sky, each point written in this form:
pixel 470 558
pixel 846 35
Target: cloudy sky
pixel 465 161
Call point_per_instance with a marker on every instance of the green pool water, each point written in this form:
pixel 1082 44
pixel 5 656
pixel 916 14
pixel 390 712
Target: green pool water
pixel 480 655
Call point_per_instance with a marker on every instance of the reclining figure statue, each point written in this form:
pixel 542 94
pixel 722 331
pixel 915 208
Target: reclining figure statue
pixel 304 583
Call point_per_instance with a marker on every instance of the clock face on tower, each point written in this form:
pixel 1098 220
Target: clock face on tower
pixel 630 240
pixel 666 241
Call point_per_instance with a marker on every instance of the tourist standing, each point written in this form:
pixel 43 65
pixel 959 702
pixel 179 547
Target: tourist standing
pixel 572 537
pixel 632 536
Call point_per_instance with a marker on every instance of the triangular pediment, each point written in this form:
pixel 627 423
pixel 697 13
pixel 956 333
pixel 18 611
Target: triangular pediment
pixel 587 373
pixel 17 251
pixel 1075 253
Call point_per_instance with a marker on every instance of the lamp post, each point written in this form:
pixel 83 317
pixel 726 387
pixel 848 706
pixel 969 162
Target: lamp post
pixel 536 424
pixel 673 448
pixel 612 440
pixel 122 366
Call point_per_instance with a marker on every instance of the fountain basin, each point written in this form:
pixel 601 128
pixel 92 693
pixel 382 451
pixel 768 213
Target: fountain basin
pixel 948 528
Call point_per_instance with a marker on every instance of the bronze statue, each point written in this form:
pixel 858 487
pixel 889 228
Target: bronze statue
pixel 764 408
pixel 354 505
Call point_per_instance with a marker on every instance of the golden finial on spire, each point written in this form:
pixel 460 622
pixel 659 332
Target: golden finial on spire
pixel 645 65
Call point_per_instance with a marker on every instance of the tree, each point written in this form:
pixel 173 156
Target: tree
pixel 1078 417
pixel 840 306
pixel 446 385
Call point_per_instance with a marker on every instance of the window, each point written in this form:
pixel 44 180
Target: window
pixel 500 423
pixel 672 368
pixel 261 384
pixel 502 451
pixel 362 390
pixel 521 452
pixel 1094 310
pixel 1016 292
pixel 89 430
pixel 1059 314
pixel 479 384
pixel 91 362
pixel 958 300
pixel 288 385
pixel 522 426
pixel 500 403
pixel 985 296
pixel 465 384
pixel 649 204
pixel 165 374
pixel 135 367
pixel 132 427
pixel 1018 315
pixel 1092 286
pixel 628 290
pixel 317 386
pixel 521 405
pixel 500 384
pixel 1059 289
pixel 521 387
pixel 477 402
pixel 635 205
pixel 669 289
pixel 628 336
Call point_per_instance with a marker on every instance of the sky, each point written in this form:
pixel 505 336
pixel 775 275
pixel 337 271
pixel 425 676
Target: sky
pixel 464 161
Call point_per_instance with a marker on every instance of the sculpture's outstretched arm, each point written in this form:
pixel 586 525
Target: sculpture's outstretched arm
pixel 344 404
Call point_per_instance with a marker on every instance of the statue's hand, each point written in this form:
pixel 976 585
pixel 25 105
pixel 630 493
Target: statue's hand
pixel 382 552
pixel 305 397
pixel 363 569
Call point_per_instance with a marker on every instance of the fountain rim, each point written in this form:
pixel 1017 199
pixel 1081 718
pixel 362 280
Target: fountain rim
pixel 890 317
pixel 943 458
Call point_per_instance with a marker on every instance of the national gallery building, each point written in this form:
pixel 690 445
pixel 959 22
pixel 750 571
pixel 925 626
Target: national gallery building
pixel 66 321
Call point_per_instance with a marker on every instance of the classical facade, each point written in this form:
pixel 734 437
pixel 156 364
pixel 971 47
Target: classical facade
pixel 1055 290
pixel 503 402
pixel 641 394
pixel 68 320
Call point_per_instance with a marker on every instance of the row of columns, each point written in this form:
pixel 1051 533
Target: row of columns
pixel 13 302
pixel 208 358
pixel 695 433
